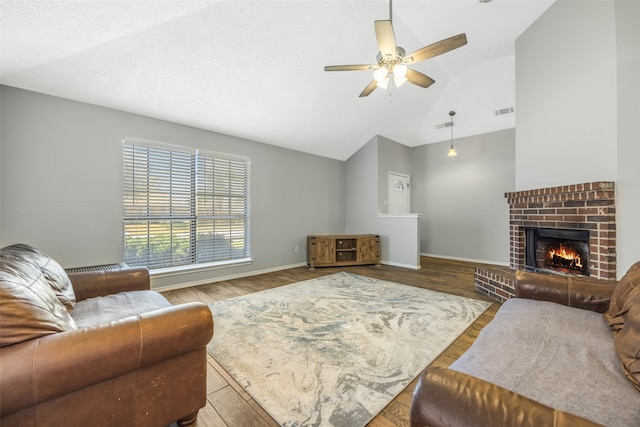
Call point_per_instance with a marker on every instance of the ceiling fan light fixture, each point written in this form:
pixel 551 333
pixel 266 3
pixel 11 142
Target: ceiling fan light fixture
pixel 392 59
pixel 383 84
pixel 399 74
pixel 400 71
pixel 381 74
pixel 399 82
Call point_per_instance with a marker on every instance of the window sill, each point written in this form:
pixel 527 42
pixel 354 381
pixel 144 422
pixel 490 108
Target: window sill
pixel 195 268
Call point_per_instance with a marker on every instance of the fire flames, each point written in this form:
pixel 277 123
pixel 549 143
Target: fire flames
pixel 565 258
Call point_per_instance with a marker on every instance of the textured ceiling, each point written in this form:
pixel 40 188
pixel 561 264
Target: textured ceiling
pixel 254 69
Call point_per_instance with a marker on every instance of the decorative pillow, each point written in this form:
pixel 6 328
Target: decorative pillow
pixel 625 291
pixel 28 305
pixel 53 273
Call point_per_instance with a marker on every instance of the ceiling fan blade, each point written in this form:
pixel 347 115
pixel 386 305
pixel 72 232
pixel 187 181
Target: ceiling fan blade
pixel 435 49
pixel 419 79
pixel 370 88
pixel 349 67
pixel 386 38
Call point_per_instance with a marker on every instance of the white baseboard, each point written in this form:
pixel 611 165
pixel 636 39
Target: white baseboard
pixel 480 261
pixel 286 267
pixel 223 278
pixel 397 264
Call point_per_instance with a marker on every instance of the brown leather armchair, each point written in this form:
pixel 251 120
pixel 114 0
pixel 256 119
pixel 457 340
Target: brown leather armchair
pixel 142 369
pixel 445 397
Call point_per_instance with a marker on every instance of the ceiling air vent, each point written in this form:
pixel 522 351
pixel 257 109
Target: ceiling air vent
pixel 444 125
pixel 505 111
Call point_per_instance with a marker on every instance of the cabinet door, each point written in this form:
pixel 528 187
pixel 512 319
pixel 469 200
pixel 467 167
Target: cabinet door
pixel 368 250
pixel 324 251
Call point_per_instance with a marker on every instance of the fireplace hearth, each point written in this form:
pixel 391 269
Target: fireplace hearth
pixel 559 251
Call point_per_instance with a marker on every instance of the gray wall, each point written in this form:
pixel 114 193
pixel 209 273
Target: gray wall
pixel 577 92
pixel 628 184
pixel 399 235
pixel 392 157
pixel 361 188
pixel 566 96
pixel 464 212
pixel 61 184
pixel 0 167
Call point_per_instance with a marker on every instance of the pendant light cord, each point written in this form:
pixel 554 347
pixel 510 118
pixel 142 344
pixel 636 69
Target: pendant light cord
pixel 451 114
pixel 452 151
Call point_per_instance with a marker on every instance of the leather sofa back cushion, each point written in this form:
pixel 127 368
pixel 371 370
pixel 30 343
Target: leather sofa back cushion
pixel 53 273
pixel 627 342
pixel 623 317
pixel 623 295
pixel 29 306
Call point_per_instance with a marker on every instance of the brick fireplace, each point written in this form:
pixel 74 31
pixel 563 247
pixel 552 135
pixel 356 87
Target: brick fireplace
pixel 588 207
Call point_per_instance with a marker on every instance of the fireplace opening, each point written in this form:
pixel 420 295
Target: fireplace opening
pixel 558 251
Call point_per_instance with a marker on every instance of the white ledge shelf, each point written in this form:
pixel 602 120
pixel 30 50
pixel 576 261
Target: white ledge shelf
pixel 399 215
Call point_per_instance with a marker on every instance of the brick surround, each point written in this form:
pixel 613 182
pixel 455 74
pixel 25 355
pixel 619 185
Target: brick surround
pixel 495 282
pixel 589 206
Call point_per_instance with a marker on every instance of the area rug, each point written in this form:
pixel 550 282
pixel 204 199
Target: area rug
pixel 335 350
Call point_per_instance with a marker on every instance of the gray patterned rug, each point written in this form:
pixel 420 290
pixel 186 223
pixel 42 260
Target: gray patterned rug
pixel 335 350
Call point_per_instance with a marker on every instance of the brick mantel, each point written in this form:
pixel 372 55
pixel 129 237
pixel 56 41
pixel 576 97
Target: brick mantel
pixel 589 206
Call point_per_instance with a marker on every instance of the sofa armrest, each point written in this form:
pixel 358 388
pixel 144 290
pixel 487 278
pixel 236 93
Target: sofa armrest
pixel 55 365
pixel 573 291
pixel 447 398
pixel 100 283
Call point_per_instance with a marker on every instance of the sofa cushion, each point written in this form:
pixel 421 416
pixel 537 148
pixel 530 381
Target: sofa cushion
pixel 94 311
pixel 28 304
pixel 560 356
pixel 52 272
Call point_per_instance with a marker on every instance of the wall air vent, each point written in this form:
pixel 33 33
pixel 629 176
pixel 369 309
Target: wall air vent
pixel 444 125
pixel 505 111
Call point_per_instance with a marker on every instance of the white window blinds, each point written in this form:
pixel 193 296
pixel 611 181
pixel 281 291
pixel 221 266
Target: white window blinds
pixel 183 206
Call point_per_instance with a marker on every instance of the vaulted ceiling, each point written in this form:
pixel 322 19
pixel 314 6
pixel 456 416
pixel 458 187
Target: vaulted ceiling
pixel 255 69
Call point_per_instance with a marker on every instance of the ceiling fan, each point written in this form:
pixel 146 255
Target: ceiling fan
pixel 391 68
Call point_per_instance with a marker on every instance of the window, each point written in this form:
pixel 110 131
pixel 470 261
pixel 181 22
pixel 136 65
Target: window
pixel 182 206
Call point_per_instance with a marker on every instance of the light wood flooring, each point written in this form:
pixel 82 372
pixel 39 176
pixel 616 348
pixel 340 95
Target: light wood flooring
pixel 229 405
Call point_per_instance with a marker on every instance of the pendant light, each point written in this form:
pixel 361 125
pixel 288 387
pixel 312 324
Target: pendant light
pixel 452 151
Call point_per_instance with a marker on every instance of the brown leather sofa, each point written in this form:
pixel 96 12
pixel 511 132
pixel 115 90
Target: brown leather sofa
pixel 594 354
pixel 96 348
